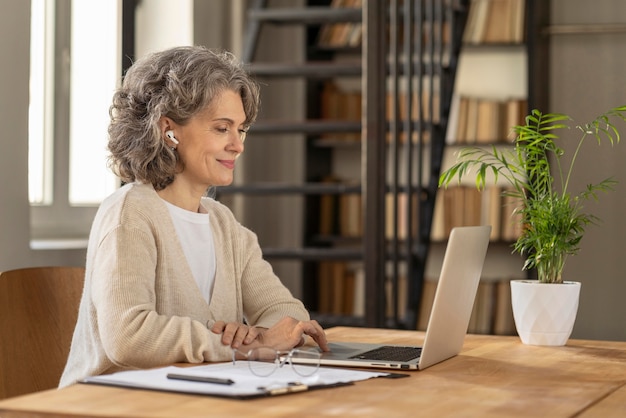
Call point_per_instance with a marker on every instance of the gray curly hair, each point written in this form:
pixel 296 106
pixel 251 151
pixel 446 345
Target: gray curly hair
pixel 177 83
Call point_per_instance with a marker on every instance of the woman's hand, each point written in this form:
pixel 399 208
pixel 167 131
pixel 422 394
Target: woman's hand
pixel 236 334
pixel 289 333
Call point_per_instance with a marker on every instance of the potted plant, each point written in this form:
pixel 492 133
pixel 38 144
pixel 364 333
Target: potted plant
pixel 552 217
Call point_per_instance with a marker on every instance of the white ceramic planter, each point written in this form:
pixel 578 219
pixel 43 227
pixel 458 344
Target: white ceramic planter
pixel 544 313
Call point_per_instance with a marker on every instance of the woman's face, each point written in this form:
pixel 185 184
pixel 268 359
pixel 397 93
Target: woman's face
pixel 211 141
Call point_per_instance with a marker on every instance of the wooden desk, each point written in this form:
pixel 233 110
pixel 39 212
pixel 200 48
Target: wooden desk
pixel 493 376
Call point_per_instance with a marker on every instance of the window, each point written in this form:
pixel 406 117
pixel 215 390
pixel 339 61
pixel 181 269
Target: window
pixel 75 67
pixel 95 71
pixel 40 108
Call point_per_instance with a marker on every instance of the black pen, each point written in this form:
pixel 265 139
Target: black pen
pixel 204 379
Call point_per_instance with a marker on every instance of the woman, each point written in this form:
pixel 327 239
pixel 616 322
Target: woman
pixel 171 275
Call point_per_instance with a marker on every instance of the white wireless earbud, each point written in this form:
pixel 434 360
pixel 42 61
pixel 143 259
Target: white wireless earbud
pixel 170 135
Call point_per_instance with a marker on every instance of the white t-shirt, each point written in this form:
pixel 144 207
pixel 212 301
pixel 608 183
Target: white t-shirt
pixel 195 235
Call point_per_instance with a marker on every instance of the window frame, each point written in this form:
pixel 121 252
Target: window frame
pixel 61 224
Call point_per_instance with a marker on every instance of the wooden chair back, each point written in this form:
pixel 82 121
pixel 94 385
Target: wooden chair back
pixel 38 312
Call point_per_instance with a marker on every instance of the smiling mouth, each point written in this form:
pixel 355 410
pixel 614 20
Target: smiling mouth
pixel 228 163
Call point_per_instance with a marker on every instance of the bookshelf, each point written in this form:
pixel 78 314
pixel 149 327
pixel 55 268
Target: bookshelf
pixel 370 169
pixel 502 75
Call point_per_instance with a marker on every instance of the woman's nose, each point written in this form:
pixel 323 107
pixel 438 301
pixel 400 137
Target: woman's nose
pixel 236 143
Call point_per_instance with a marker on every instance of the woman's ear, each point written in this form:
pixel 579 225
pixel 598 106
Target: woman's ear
pixel 166 126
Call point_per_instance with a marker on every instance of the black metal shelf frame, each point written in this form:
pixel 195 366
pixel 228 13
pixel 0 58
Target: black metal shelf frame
pixel 389 34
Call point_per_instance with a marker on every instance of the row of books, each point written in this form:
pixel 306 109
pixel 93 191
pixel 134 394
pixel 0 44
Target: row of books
pixel 492 313
pixel 350 34
pixel 467 206
pixel 475 120
pixel 341 287
pixel 341 104
pixel 337 103
pixel 495 21
pixel 342 292
pixel 342 34
pixel 420 109
pixel 342 215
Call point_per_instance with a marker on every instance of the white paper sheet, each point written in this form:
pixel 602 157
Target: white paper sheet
pixel 283 380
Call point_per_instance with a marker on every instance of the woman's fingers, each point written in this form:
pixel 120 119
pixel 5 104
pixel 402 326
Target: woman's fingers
pixel 235 334
pixel 314 330
pixel 218 327
pixel 286 334
pixel 253 333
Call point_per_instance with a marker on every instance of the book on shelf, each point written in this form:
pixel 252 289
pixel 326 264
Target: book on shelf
pixel 504 323
pixel 338 275
pixel 337 288
pixel 340 214
pixel 489 121
pixel 516 111
pixel 346 211
pixel 511 226
pixel 476 21
pixel 400 226
pixel 328 210
pixel 481 320
pixel 495 21
pixel 491 314
pixel 472 215
pixel 341 34
pixel 396 297
pixel 341 288
pixel 342 292
pixel 359 291
pixel 351 105
pixel 342 105
pixel 327 31
pixel 453 119
pixel 466 206
pixel 350 215
pixel 471 121
pixel 437 229
pixel 461 207
pixel 355 32
pixel 491 211
pixel 324 287
pixel 411 103
pixel 461 122
pixel 483 120
pixel 518 17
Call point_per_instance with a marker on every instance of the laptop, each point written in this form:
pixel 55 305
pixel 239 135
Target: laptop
pixel 449 317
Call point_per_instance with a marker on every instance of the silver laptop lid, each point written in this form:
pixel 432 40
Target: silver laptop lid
pixel 456 291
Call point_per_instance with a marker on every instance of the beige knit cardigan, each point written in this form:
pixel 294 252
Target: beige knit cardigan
pixel 141 306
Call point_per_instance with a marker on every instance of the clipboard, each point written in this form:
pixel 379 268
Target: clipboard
pixel 244 385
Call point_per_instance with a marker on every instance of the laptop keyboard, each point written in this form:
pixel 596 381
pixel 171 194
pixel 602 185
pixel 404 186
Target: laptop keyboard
pixel 390 353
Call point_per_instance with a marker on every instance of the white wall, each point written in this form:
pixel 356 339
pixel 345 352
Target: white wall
pixel 163 24
pixel 587 77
